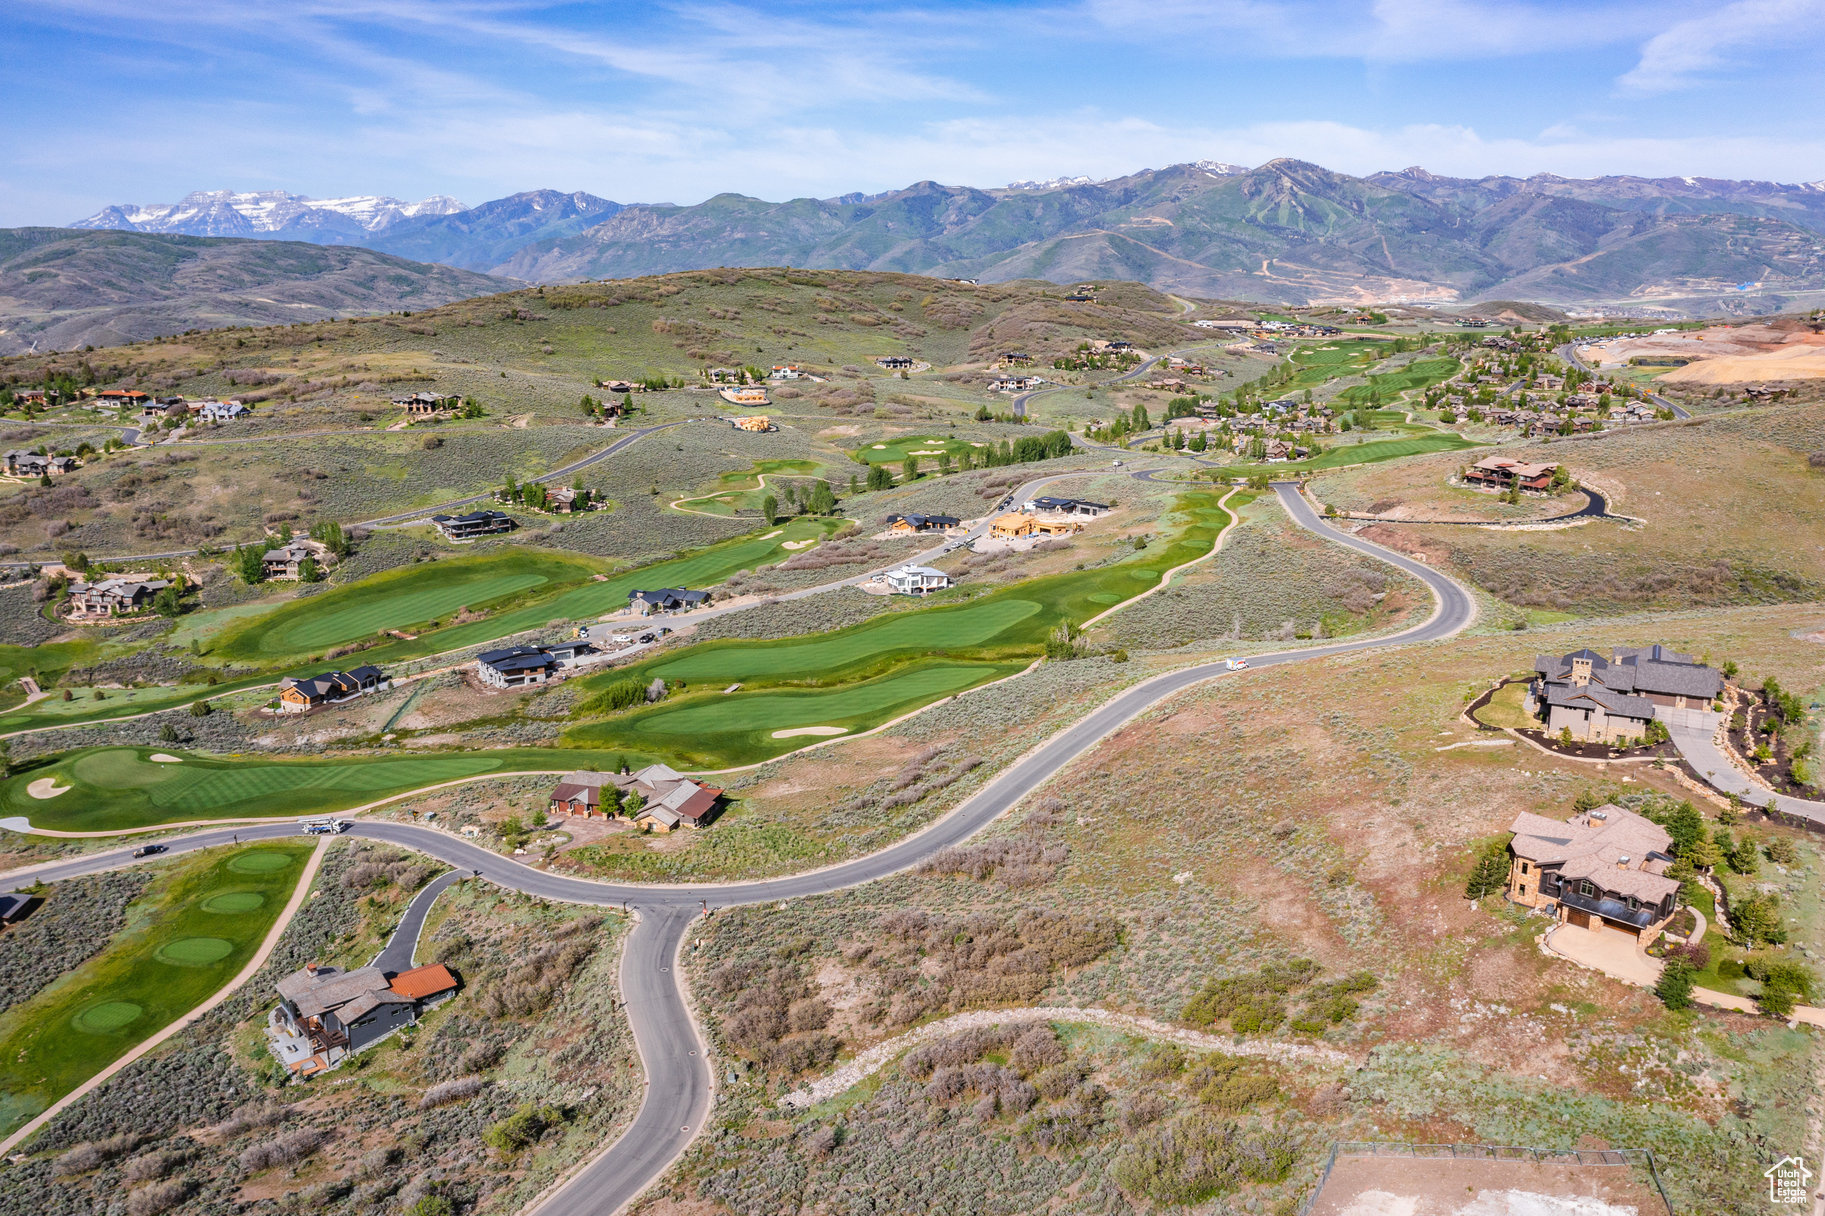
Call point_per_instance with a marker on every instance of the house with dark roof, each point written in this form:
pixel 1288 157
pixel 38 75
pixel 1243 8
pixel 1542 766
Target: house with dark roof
pixel 325 1015
pixel 666 798
pixel 1605 869
pixel 666 599
pixel 460 528
pixel 1049 505
pixel 1609 699
pixel 328 687
pixel 426 405
pixel 515 666
pixel 906 525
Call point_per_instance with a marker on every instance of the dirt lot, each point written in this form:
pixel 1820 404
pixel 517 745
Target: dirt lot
pixel 1730 354
pixel 1380 1186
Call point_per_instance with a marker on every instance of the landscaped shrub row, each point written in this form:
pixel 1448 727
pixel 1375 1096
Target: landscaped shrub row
pixel 78 918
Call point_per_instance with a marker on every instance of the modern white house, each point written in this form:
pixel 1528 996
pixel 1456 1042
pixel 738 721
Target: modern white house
pixel 917 580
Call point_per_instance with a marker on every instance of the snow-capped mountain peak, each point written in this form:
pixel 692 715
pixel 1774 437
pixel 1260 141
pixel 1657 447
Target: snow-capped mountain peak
pixel 1055 183
pixel 244 213
pixel 1220 168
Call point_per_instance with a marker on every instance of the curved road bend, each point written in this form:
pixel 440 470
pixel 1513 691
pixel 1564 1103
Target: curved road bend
pixel 1569 353
pixel 680 1085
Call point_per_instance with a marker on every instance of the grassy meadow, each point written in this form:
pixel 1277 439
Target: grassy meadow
pixel 192 931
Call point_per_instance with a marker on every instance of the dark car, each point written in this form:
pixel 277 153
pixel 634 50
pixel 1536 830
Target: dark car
pixel 148 850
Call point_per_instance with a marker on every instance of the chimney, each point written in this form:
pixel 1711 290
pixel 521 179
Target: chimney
pixel 1599 816
pixel 1622 862
pixel 310 969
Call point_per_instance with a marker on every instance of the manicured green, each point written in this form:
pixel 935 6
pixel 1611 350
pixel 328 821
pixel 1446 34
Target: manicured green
pixel 1372 452
pixel 1006 628
pixel 192 932
pixel 584 600
pixel 54 711
pixel 710 730
pixel 112 789
pixel 398 599
pixel 1415 376
pixel 895 451
pixel 119 787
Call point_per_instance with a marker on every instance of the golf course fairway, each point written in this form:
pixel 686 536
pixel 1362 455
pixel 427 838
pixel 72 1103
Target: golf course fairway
pixel 819 680
pixel 563 588
pixel 188 935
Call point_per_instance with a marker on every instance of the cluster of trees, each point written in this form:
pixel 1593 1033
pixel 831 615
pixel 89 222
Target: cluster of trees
pixel 538 497
pixel 1024 450
pixel 593 408
pixel 1086 360
pixel 817 499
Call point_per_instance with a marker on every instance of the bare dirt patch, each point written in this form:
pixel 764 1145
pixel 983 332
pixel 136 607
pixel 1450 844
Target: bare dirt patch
pixel 1361 1186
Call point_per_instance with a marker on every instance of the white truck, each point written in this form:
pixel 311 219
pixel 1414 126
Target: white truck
pixel 1235 664
pixel 323 827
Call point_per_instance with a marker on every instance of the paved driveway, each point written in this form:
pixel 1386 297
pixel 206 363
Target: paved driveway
pixel 1694 733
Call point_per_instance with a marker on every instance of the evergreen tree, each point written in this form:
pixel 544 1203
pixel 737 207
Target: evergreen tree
pixel 823 501
pixel 1674 988
pixel 879 478
pixel 769 510
pixel 909 468
pixel 1490 874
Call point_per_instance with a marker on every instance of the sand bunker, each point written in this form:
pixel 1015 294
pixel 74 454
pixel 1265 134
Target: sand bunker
pixel 162 758
pixel 797 544
pixel 47 787
pixel 926 453
pixel 808 730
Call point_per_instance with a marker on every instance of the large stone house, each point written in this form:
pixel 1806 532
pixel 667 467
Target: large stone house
pixel 668 797
pixel 518 666
pixel 666 599
pixel 287 561
pixel 1603 869
pixel 1504 473
pixel 115 596
pixel 916 580
pixel 325 1015
pixel 1607 700
pixel 907 525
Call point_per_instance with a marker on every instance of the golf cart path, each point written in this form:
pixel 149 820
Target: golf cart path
pixel 227 990
pixel 680 1082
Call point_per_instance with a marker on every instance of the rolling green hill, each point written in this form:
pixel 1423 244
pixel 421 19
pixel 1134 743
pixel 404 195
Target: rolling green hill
pixel 61 289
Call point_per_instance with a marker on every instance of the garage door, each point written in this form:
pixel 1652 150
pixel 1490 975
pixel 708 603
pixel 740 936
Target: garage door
pixel 1579 918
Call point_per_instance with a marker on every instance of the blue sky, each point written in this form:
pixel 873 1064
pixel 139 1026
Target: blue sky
pixel 120 101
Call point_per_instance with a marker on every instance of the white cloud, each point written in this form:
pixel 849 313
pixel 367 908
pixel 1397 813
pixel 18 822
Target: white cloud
pixel 1689 49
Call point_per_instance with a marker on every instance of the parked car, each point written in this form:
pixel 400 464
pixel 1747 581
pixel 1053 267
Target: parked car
pixel 622 639
pixel 149 850
pixel 645 638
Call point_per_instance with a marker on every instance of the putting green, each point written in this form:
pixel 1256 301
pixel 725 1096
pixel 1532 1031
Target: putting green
pixel 259 863
pixel 233 902
pixel 926 449
pixel 107 1017
pixel 1104 597
pixel 171 956
pixel 119 767
pixel 194 951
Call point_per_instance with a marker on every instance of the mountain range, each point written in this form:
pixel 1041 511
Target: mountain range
pixel 1288 231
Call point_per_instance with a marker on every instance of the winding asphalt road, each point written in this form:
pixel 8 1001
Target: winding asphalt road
pixel 680 1084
